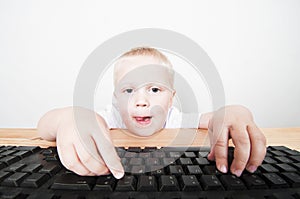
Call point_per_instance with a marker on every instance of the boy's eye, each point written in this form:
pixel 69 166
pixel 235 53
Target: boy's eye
pixel 154 89
pixel 128 90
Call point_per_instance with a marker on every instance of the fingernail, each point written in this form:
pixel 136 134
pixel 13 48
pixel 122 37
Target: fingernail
pixel 251 168
pixel 223 169
pixel 238 173
pixel 118 175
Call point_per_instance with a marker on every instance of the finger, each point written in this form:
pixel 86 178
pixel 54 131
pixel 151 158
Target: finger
pixel 258 149
pixel 108 153
pixel 220 150
pixel 241 141
pixel 69 159
pixel 92 161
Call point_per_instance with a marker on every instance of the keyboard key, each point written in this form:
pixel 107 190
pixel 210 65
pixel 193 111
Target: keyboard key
pixel 73 182
pixel 157 170
pixel 8 152
pixel 3 175
pixel 42 194
pixel 185 161
pixel 281 195
pixel 269 160
pixel 10 159
pixel 189 154
pixel 278 148
pixel 22 154
pixel 174 154
pixel 190 183
pixel 32 168
pixel 2 165
pixel 203 154
pixel 105 183
pixel 15 179
pixel 231 182
pixel 130 155
pixel 15 167
pixel 144 155
pixel 138 170
pixel 286 168
pixel 296 165
pixel 277 153
pixel 49 151
pixel 159 154
pixel 152 161
pixel 169 161
pixel 12 194
pixel 134 149
pixel 275 181
pixel 211 170
pixel 210 182
pixel 283 159
pixel 201 161
pixel 292 152
pixel 295 158
pixel 268 168
pixel 50 158
pixel 194 170
pixel 168 183
pixel 176 170
pixel 292 178
pixel 149 149
pixel 70 196
pixel 33 149
pixel 254 182
pixel 127 183
pixel 50 169
pixel 35 180
pixel 136 161
pixel 147 183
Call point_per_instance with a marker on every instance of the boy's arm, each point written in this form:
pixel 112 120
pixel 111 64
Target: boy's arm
pixel 48 124
pixel 234 122
pixel 83 146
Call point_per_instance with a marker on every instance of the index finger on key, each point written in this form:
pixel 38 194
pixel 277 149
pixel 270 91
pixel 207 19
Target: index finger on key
pixel 240 139
pixel 109 155
pixel 220 149
pixel 258 149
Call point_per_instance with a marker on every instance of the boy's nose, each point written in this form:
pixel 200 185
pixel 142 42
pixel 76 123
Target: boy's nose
pixel 141 100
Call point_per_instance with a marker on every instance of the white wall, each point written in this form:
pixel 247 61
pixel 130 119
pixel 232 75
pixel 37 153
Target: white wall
pixel 254 45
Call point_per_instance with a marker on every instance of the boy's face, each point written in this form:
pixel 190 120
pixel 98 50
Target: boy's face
pixel 143 93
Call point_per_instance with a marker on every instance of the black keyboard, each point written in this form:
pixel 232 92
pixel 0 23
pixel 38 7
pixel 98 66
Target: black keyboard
pixel 177 173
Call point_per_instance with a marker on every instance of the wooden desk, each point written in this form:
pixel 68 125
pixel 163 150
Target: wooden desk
pixel 289 137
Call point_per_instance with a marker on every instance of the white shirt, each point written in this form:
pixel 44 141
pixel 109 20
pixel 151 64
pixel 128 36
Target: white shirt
pixel 175 118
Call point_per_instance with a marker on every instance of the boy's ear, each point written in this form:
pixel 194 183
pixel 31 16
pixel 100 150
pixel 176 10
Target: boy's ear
pixel 171 98
pixel 174 92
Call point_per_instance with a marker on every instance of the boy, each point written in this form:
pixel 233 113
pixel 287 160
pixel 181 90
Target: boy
pixel 142 103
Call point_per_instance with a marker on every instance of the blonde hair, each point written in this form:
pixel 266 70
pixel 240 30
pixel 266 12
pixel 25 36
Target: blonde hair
pixel 147 51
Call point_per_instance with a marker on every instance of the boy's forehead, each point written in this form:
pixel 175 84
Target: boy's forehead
pixel 127 64
pixel 131 62
pixel 147 74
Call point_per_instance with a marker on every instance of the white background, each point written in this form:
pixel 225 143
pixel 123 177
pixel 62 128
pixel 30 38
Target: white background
pixel 254 45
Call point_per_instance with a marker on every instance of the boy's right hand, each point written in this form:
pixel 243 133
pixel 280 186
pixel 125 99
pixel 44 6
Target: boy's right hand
pixel 84 144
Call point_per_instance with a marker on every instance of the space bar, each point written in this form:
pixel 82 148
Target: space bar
pixel 73 182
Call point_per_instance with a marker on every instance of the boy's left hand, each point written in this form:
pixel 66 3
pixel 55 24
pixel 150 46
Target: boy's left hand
pixel 236 122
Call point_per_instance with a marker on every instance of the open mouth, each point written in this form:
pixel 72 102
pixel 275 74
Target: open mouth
pixel 143 120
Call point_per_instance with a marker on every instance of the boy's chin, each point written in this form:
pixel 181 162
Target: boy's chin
pixel 144 132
